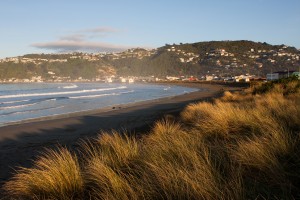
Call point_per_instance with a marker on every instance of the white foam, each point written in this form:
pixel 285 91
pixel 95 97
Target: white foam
pixel 60 93
pixel 30 111
pixel 101 95
pixel 18 106
pixel 11 102
pixel 70 86
pixel 92 96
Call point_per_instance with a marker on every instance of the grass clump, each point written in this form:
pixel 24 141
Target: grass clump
pixel 177 168
pixel 241 146
pixel 55 175
pixel 109 161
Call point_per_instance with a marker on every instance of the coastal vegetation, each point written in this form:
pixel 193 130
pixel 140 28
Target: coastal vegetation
pixel 244 145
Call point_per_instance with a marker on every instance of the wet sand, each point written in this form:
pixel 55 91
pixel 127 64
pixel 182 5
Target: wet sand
pixel 21 143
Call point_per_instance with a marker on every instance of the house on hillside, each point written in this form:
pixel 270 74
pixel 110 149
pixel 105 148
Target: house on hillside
pixel 242 78
pixel 109 80
pixel 123 80
pixel 209 78
pixel 172 78
pixel 130 80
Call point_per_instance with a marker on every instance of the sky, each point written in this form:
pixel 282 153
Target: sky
pixel 56 26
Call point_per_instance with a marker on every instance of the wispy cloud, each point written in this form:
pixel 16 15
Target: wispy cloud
pixel 66 46
pixel 79 41
pixel 100 30
pixel 75 37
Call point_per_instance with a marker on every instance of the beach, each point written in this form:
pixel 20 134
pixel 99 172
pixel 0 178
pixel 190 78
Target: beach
pixel 21 143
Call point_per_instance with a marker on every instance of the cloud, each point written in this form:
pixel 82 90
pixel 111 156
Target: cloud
pixel 75 37
pixel 68 45
pixel 100 30
pixel 81 41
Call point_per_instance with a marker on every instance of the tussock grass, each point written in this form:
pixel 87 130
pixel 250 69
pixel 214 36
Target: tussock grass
pixel 114 149
pixel 177 166
pixel 241 146
pixel 109 161
pixel 55 175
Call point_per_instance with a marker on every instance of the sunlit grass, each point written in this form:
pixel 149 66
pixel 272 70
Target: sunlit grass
pixel 241 146
pixel 108 165
pixel 55 175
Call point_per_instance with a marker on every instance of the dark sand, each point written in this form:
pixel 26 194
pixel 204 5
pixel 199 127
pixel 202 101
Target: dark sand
pixel 21 143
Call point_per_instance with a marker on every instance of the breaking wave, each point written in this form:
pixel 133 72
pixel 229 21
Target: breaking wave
pixel 60 93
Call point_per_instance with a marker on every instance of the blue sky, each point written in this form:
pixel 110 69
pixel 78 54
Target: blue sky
pixel 50 26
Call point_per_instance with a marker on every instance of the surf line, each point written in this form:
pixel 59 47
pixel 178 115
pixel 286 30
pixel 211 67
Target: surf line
pixel 59 93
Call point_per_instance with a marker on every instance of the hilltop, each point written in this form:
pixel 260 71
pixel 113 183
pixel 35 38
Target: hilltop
pixel 222 58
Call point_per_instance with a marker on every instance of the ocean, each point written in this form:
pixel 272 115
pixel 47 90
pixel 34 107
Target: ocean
pixel 19 102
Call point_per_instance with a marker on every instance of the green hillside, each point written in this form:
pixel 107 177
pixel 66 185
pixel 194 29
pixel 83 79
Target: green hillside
pixel 228 57
pixel 197 59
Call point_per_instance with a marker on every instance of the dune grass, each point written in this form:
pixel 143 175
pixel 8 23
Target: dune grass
pixel 55 175
pixel 109 160
pixel 241 146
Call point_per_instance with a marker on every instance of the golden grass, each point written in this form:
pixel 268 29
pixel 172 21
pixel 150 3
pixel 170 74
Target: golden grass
pixel 55 175
pixel 108 161
pixel 114 150
pixel 241 146
pixel 108 183
pixel 175 166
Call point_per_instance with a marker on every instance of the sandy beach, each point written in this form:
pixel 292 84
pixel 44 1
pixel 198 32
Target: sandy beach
pixel 21 143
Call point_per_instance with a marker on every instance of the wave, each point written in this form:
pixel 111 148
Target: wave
pixel 92 96
pixel 61 93
pixel 17 106
pixel 30 111
pixel 31 103
pixel 70 86
pixel 101 95
pixel 11 102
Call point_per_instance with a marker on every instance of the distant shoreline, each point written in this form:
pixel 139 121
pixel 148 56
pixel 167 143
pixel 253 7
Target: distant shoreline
pixel 100 109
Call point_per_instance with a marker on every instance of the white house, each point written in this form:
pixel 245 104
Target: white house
pixel 209 78
pixel 172 78
pixel 123 80
pixel 109 80
pixel 272 76
pixel 130 80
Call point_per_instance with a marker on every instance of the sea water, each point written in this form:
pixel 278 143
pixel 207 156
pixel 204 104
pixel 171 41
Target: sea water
pixel 22 101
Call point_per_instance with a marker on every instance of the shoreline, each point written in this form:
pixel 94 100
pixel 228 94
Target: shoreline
pixel 95 111
pixel 22 143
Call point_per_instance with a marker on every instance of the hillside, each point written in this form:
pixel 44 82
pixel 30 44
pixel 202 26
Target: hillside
pixel 226 58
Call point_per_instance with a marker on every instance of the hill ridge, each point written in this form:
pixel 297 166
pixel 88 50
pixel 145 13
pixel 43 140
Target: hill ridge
pixel 190 59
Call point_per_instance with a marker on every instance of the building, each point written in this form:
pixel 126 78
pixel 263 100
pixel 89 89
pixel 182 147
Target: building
pixel 279 75
pixel 130 80
pixel 296 74
pixel 209 78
